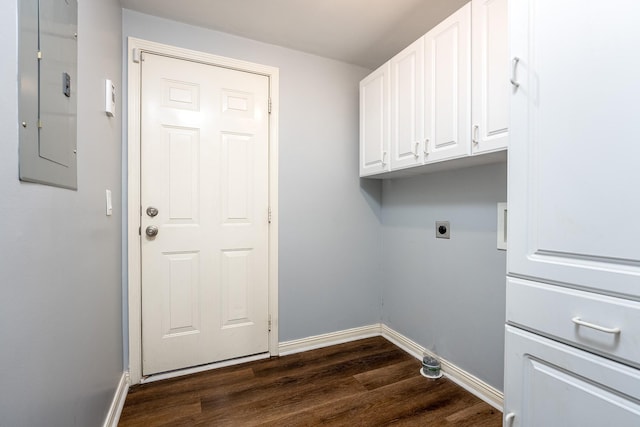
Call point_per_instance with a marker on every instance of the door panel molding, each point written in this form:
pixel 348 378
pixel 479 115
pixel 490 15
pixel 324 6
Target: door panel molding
pixel 135 48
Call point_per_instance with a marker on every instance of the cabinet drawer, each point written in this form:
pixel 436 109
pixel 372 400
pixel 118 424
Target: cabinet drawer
pixel 604 325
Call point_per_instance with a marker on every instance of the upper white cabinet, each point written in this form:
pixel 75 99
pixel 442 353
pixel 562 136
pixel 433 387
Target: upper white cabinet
pixel 489 76
pixel 574 210
pixel 447 97
pixel 407 106
pixel 374 122
pixel 447 83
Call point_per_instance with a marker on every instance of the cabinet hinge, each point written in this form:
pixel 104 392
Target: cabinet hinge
pixel 39 54
pixel 269 215
pixel 140 231
pixel 39 123
pixel 135 55
pixel 269 106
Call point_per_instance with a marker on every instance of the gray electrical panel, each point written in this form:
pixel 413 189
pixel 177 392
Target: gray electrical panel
pixel 47 83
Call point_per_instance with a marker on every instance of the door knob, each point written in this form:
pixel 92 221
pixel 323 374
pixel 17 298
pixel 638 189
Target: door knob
pixel 151 211
pixel 151 231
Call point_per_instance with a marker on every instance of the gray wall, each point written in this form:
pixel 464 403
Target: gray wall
pixel 447 295
pixel 330 237
pixel 61 303
pixel 340 251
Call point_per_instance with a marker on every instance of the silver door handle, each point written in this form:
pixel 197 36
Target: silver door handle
pixel 151 231
pixel 426 147
pixel 416 154
pixel 384 156
pixel 474 136
pixel 514 82
pixel 581 322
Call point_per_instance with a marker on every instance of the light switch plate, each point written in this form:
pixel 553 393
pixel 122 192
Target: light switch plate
pixel 443 230
pixel 110 98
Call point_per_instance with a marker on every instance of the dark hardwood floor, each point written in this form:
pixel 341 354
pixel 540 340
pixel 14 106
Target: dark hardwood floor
pixel 369 382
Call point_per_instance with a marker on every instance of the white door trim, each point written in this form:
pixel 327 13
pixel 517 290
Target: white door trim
pixel 135 47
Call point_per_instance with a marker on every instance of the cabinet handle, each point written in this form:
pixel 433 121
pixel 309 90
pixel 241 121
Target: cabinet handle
pixel 581 322
pixel 514 82
pixel 508 419
pixel 384 155
pixel 417 148
pixel 426 147
pixel 474 135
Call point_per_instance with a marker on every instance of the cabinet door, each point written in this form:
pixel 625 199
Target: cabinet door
pixel 447 63
pixel 574 169
pixel 406 106
pixel 489 76
pixel 374 122
pixel 553 385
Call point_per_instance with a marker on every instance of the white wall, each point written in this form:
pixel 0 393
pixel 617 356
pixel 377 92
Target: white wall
pixel 447 295
pixel 60 307
pixel 330 237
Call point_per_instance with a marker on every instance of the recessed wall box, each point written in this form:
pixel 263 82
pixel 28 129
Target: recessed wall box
pixel 442 230
pixel 47 89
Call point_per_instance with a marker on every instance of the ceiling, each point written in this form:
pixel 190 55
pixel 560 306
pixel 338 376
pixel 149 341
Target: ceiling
pixel 361 32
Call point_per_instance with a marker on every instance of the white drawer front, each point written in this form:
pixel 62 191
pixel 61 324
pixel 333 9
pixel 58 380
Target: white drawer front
pixel 605 325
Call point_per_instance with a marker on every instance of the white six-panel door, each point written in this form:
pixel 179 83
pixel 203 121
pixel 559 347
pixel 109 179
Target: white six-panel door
pixel 204 167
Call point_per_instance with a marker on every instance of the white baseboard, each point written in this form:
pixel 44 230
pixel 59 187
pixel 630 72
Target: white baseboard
pixel 325 340
pixel 472 384
pixel 113 416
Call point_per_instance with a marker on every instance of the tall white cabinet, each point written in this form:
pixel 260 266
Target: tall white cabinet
pixel 573 285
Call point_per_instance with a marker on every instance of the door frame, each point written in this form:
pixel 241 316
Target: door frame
pixel 135 48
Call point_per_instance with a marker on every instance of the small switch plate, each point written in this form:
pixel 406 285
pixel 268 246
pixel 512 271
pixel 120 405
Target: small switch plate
pixel 442 230
pixel 110 98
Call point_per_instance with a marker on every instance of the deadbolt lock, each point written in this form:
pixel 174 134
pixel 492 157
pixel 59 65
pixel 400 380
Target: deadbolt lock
pixel 151 211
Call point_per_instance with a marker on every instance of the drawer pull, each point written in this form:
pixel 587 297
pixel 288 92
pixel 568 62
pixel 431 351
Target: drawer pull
pixel 514 81
pixel 581 322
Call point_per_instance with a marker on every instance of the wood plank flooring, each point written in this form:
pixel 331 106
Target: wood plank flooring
pixel 369 382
